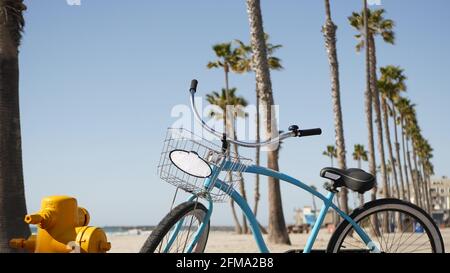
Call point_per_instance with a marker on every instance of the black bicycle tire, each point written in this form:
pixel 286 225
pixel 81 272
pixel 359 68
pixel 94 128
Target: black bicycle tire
pixel 170 220
pixel 368 209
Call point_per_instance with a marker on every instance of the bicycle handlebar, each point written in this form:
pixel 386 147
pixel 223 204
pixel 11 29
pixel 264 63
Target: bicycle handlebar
pixel 310 132
pixel 294 130
pixel 194 84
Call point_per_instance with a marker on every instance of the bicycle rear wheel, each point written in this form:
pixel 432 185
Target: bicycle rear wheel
pixel 163 240
pixel 393 225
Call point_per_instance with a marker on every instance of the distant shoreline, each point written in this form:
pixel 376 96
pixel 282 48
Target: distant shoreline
pixel 131 230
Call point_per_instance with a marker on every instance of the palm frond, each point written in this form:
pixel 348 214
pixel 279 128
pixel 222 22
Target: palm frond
pixel 378 25
pixel 214 64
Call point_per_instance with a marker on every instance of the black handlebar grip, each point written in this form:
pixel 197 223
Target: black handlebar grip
pixel 193 86
pixel 310 132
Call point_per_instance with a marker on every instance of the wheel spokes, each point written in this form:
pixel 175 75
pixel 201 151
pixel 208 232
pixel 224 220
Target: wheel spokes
pixel 183 237
pixel 393 231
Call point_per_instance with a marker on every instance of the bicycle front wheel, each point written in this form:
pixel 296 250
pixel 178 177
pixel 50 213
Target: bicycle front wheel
pixel 393 225
pixel 176 231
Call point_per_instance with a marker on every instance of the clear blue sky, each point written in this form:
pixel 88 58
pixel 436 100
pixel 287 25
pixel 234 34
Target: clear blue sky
pixel 98 82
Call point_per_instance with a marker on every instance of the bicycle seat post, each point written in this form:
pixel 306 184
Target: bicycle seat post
pixel 224 143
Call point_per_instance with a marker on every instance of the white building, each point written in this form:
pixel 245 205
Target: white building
pixel 440 194
pixel 440 198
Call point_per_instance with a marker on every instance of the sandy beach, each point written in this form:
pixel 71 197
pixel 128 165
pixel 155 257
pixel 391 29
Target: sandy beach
pixel 228 242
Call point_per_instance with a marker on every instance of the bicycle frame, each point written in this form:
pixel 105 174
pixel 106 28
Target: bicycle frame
pixel 327 204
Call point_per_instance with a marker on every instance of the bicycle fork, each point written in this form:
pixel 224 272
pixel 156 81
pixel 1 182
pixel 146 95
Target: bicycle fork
pixel 203 224
pixel 198 233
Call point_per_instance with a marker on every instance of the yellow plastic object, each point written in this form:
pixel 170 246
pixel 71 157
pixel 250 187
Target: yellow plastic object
pixel 62 228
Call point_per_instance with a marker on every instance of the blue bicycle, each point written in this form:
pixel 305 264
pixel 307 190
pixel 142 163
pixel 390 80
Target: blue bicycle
pixel 209 171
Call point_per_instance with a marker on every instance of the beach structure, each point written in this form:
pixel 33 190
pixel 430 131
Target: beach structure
pixel 440 200
pixel 305 218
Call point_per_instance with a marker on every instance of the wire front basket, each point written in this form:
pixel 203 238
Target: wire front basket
pixel 180 139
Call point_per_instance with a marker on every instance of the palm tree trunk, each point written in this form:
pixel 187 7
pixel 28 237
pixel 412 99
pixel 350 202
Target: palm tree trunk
pixel 242 190
pixel 428 186
pixel 257 156
pixel 277 226
pixel 429 191
pixel 397 150
pixel 418 180
pixel 413 177
pixel 12 192
pixel 388 175
pixel 368 107
pixel 226 69
pixel 376 105
pixel 422 185
pixel 258 159
pixel 426 189
pixel 360 195
pixel 228 119
pixel 329 31
pixel 389 144
pixel 237 225
pixel 336 199
pixel 408 189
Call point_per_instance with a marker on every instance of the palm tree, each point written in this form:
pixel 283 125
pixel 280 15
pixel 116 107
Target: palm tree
pixel 246 63
pixel 424 153
pixel 392 81
pixel 246 66
pixel 421 149
pixel 222 101
pixel 403 181
pixel 329 32
pixel 228 59
pixel 368 104
pixel 403 106
pixel 12 193
pixel 415 136
pixel 376 25
pixel 277 225
pixel 330 152
pixel 397 79
pixel 428 170
pixel 411 129
pixel 421 153
pixel 388 175
pixel 360 154
pixel 392 189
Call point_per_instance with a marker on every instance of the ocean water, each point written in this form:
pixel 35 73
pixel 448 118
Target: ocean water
pixel 139 230
pixel 119 230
